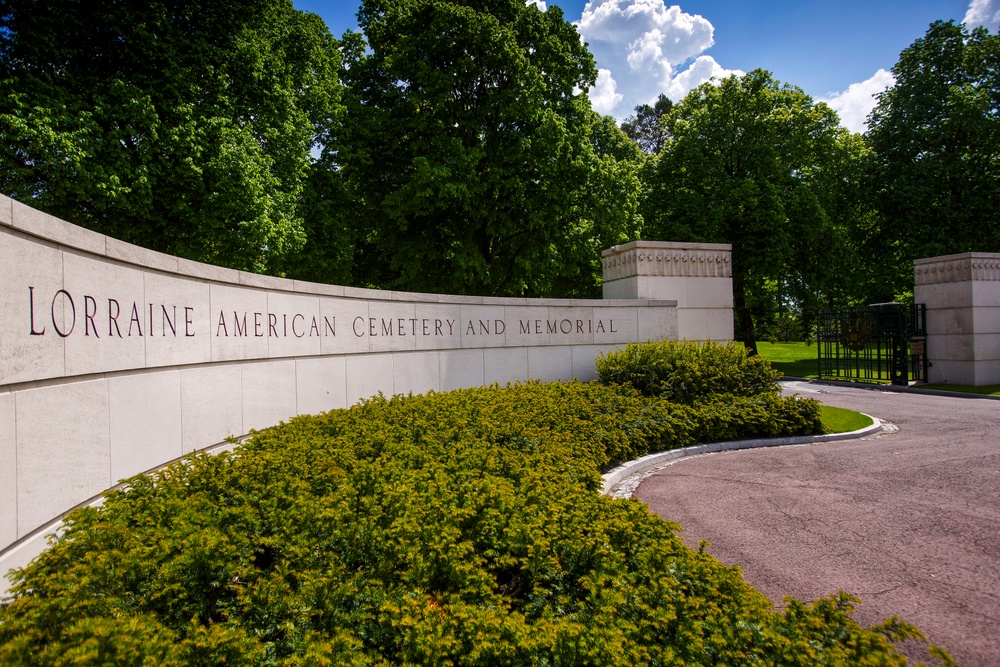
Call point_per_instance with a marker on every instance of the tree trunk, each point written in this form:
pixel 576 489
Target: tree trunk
pixel 744 322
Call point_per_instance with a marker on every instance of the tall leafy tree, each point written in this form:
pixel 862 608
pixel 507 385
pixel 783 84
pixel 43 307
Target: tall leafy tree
pixel 472 152
pixel 759 165
pixel 936 141
pixel 180 125
pixel 644 128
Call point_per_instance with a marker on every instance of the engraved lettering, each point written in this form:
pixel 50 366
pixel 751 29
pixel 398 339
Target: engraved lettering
pixel 294 319
pixel 113 317
pixel 88 315
pixel 166 321
pixel 222 325
pixel 258 326
pixel 31 313
pixel 272 324
pixel 135 320
pixel 240 331
pixel 188 312
pixel 72 307
pixel 331 326
pixel 362 321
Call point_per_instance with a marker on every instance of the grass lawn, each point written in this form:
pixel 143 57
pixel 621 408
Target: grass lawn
pixel 795 359
pixel 991 389
pixel 799 360
pixel 842 420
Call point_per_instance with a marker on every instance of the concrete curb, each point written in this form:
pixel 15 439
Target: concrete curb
pixel 616 476
pixel 891 387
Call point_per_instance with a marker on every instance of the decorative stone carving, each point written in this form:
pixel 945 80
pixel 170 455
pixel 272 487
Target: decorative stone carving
pixel 651 258
pixel 957 268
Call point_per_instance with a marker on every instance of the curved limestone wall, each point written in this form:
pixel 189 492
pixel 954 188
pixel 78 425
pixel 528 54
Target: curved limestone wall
pixel 115 359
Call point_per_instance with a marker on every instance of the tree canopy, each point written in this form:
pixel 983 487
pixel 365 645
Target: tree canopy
pixel 643 127
pixel 757 164
pixel 935 137
pixel 472 153
pixel 183 126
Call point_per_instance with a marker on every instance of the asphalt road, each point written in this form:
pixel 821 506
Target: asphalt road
pixel 907 520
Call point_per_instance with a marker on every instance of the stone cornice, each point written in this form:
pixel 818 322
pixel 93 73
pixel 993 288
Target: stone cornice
pixel 648 258
pixel 972 266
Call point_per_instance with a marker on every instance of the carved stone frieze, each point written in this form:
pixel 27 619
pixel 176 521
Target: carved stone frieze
pixel 648 258
pixel 957 268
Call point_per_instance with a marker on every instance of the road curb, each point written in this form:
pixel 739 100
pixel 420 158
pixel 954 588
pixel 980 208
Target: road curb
pixel 616 476
pixel 871 386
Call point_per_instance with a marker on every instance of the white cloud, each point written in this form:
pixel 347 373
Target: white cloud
pixel 703 69
pixel 604 96
pixel 854 104
pixel 643 46
pixel 538 3
pixel 983 13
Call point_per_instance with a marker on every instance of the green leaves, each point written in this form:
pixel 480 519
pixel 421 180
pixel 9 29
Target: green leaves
pixel 687 371
pixel 756 164
pixel 473 153
pixel 458 528
pixel 185 128
pixel 936 141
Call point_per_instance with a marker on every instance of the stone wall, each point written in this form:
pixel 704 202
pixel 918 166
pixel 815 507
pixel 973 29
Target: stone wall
pixel 962 294
pixel 697 275
pixel 115 360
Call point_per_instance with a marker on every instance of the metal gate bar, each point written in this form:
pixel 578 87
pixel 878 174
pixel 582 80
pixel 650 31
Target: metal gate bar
pixel 875 343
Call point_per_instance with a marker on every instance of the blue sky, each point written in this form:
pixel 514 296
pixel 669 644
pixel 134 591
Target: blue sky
pixel 840 52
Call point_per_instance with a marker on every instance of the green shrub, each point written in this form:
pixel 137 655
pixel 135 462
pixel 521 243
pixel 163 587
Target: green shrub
pixel 685 371
pixel 461 528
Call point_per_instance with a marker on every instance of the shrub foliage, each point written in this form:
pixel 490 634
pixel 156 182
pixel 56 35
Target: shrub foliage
pixel 460 528
pixel 686 371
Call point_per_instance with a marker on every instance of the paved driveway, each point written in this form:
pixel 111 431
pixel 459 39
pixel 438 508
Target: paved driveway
pixel 908 520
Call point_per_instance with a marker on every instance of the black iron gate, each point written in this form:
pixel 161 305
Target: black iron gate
pixel 883 342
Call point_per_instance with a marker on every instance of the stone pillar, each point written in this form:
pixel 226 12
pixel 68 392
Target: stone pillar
pixel 962 294
pixel 698 276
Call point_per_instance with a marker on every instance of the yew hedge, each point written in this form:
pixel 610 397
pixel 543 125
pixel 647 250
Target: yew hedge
pixel 688 371
pixel 460 528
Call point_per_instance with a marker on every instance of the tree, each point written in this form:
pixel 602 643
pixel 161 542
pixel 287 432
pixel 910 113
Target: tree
pixel 754 163
pixel 184 126
pixel 473 154
pixel 936 141
pixel 644 126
